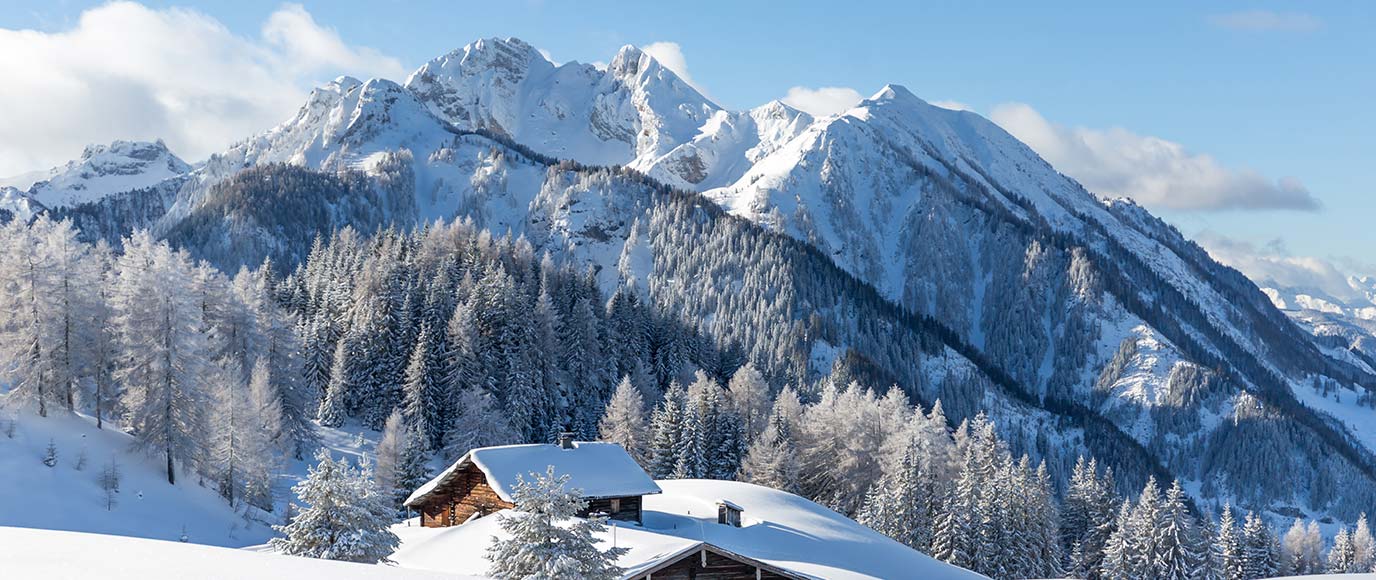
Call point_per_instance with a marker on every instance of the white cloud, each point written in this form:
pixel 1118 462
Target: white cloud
pixel 824 101
pixel 670 55
pixel 1155 172
pixel 953 105
pixel 549 57
pixel 1272 265
pixel 125 71
pixel 1267 21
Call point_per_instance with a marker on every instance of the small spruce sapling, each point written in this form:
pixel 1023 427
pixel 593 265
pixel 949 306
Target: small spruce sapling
pixel 50 455
pixel 109 483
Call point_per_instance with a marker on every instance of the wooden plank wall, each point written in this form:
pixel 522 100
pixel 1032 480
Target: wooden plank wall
pixel 458 499
pixel 629 512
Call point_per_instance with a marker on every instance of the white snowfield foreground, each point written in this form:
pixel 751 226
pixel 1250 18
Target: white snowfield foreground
pixel 777 528
pixel 52 555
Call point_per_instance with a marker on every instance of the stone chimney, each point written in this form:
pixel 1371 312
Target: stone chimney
pixel 566 440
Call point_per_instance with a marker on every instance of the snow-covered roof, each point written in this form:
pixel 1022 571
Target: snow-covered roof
pixel 780 530
pixel 598 469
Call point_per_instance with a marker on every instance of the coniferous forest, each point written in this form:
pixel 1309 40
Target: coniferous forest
pixel 448 338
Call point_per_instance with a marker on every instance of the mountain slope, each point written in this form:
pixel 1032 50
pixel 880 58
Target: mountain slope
pixel 969 269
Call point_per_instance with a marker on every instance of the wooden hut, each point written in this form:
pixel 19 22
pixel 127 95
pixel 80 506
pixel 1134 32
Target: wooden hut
pixel 483 480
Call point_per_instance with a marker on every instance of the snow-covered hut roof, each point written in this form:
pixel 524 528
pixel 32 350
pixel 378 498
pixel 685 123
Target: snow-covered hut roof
pixel 782 531
pixel 600 470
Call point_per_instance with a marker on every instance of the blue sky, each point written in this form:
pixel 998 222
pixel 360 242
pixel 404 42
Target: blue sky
pixel 1267 91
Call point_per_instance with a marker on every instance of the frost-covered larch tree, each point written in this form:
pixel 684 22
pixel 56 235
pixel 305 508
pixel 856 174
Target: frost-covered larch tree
pixel 388 452
pixel 345 516
pixel 478 422
pixel 624 422
pixel 749 399
pixel 163 349
pixel 772 458
pixel 1363 546
pixel 545 540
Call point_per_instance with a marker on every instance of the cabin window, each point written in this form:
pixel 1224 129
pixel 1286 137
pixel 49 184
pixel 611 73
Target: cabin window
pixel 616 506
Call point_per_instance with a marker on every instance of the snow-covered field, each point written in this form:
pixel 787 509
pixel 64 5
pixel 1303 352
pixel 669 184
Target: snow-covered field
pixel 59 555
pixel 63 497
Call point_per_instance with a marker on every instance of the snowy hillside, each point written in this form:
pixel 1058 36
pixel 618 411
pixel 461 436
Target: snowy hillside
pixel 57 555
pixel 104 170
pixel 69 496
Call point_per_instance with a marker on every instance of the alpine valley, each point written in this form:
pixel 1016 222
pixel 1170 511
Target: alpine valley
pixel 897 243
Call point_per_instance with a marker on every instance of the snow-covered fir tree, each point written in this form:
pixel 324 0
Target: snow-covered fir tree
pixel 334 406
pixel 666 432
pixel 1259 558
pixel 1120 560
pixel 1228 549
pixel 410 471
pixel 426 395
pixel 544 538
pixel 1088 516
pixel 1177 553
pixel 345 516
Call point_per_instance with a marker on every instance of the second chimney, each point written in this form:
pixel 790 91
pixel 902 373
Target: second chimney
pixel 566 440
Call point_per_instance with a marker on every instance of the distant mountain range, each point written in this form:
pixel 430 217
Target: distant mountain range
pixel 1089 325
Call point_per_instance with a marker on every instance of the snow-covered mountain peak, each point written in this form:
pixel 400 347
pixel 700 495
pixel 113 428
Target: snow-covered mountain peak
pixel 19 205
pixel 345 83
pixel 894 92
pixel 627 61
pixel 106 169
pixel 340 123
pixel 636 110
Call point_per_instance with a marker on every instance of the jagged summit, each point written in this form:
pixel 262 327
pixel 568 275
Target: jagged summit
pixel 103 170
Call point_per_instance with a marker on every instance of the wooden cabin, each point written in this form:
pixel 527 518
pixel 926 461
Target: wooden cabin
pixel 708 562
pixel 483 480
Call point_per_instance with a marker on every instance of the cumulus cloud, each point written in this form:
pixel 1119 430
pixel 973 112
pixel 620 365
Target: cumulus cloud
pixel 549 57
pixel 953 105
pixel 1267 21
pixel 824 101
pixel 1155 172
pixel 670 54
pixel 125 71
pixel 1272 265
